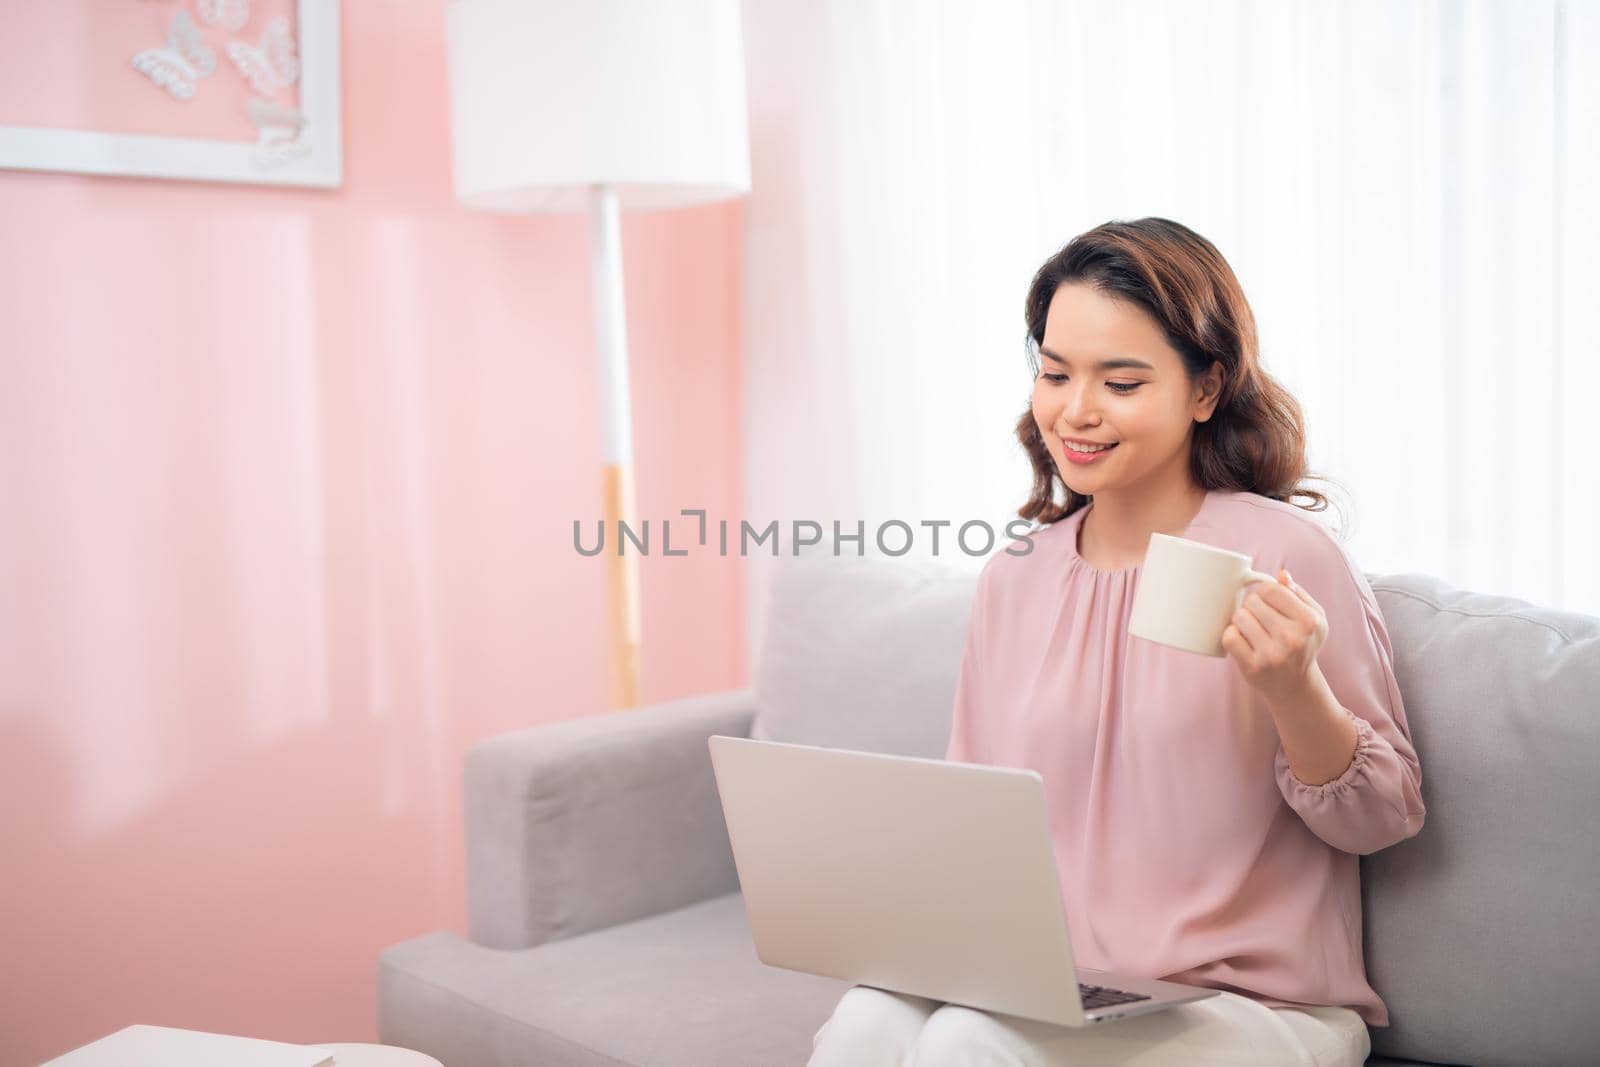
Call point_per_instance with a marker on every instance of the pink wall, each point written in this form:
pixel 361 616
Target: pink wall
pixel 286 489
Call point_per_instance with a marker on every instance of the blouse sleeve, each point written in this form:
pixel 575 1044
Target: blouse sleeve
pixel 1377 801
pixel 964 744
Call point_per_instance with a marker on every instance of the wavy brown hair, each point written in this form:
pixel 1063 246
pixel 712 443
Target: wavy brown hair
pixel 1255 438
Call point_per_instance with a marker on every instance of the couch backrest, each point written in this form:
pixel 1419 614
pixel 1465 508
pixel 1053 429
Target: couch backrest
pixel 862 653
pixel 1480 933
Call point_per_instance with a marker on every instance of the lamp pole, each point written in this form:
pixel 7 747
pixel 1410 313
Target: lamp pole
pixel 611 335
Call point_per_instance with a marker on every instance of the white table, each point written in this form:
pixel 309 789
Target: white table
pixel 145 1044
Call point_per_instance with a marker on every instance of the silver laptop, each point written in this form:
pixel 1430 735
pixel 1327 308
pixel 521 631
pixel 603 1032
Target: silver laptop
pixel 920 876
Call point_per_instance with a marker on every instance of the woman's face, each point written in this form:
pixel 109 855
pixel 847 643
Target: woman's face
pixel 1145 408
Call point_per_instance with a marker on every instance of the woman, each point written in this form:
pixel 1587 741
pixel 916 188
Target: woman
pixel 1206 813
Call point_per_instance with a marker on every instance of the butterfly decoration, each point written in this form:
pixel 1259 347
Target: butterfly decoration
pixel 185 59
pixel 231 15
pixel 270 64
pixel 278 133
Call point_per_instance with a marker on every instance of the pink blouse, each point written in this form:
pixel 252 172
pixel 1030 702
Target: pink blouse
pixel 1187 848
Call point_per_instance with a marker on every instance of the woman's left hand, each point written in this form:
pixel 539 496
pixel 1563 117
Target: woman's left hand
pixel 1275 635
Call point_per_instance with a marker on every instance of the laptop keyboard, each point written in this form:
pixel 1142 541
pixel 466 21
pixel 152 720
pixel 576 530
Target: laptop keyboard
pixel 1098 996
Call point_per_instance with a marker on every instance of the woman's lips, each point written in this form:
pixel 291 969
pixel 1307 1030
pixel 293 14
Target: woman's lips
pixel 1086 457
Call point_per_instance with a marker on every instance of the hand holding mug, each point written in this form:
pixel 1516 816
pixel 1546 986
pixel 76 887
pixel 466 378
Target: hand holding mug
pixel 1275 635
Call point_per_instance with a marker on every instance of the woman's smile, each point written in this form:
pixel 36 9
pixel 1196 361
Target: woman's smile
pixel 1081 458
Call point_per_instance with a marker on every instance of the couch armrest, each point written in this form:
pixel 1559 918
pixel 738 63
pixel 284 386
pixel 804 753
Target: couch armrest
pixel 585 823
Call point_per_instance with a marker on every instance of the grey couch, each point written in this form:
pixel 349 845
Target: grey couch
pixel 605 920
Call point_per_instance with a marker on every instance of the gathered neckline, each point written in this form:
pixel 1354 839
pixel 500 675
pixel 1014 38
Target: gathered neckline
pixel 1112 572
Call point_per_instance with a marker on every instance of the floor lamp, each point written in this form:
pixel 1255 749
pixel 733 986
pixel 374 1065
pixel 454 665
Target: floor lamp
pixel 596 106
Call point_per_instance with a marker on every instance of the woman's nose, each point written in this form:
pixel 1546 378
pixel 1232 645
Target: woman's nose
pixel 1077 407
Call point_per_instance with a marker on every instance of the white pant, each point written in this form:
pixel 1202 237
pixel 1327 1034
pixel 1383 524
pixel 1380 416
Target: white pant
pixel 873 1027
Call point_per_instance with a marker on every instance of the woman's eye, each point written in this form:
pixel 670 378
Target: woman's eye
pixel 1119 387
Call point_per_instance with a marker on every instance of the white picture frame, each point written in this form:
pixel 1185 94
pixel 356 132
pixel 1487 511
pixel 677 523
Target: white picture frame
pixel 201 159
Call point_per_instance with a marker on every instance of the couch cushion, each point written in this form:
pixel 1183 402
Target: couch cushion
pixel 1481 932
pixel 680 989
pixel 862 652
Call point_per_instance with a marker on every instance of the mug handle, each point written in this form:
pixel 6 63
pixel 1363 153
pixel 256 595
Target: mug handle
pixel 1245 580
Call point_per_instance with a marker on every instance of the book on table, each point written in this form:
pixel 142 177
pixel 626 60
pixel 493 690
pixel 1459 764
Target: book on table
pixel 166 1046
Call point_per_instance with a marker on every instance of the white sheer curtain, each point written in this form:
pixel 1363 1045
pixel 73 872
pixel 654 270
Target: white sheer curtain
pixel 1405 189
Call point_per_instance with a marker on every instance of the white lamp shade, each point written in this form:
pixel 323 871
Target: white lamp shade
pixel 550 97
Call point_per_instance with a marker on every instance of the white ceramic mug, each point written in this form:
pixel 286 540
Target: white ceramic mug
pixel 1188 593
